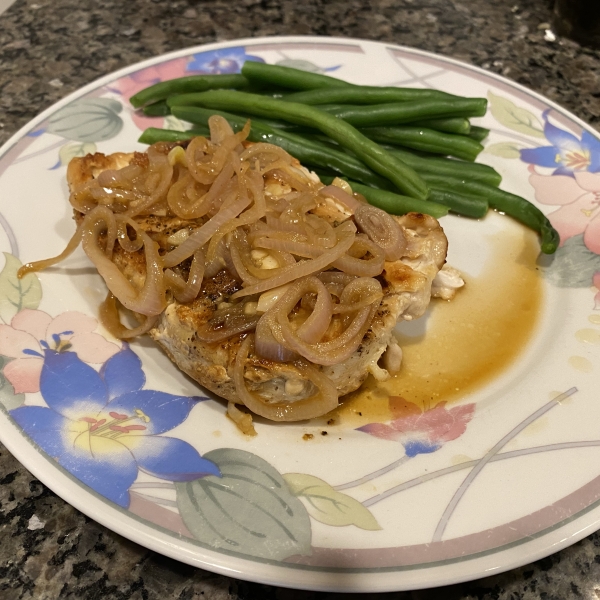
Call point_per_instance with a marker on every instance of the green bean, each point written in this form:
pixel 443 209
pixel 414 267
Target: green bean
pixel 308 152
pixel 460 125
pixel 478 133
pixel 436 165
pixel 448 167
pixel 428 140
pixel 363 94
pixel 276 75
pixel 157 109
pixel 341 163
pixel 273 123
pixel 397 113
pixel 468 206
pixel 519 208
pixel 391 202
pixel 458 183
pixel 397 204
pixel 184 85
pixel 279 125
pixel 373 155
pixel 152 135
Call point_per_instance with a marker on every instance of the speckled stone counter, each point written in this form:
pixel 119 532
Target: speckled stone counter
pixel 49 48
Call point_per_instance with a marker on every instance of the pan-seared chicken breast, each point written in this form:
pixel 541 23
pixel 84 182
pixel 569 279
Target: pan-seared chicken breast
pixel 406 283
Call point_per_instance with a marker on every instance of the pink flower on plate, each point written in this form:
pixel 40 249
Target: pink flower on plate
pixel 132 84
pixel 422 432
pixel 33 331
pixel 578 197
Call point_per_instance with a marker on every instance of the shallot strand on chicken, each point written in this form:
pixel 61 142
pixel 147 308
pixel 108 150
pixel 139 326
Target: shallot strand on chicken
pixel 267 287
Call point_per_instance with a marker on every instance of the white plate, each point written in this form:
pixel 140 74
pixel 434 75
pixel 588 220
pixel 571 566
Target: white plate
pixel 499 477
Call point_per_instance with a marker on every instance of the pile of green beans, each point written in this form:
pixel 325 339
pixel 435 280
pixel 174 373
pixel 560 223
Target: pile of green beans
pixel 404 149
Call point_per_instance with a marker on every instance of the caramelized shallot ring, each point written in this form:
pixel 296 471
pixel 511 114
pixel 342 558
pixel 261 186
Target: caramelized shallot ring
pixel 200 236
pixel 236 251
pixel 186 291
pixel 165 176
pixel 346 263
pixel 313 329
pixel 383 229
pixel 40 265
pixel 291 246
pixel 320 403
pixel 125 241
pixel 227 322
pixel 253 214
pixel 321 353
pixel 359 266
pixel 345 233
pixel 261 149
pixel 180 202
pixel 109 317
pixel 207 171
pixel 359 293
pixel 150 300
pixel 337 193
pixel 219 128
pixel 266 346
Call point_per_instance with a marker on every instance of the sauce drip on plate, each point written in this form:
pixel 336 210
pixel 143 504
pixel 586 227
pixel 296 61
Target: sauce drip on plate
pixel 468 341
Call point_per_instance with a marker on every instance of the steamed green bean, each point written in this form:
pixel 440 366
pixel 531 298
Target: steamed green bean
pixel 184 85
pixel 427 140
pixel 373 155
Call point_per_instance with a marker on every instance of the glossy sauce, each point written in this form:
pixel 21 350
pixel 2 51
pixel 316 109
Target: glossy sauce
pixel 469 340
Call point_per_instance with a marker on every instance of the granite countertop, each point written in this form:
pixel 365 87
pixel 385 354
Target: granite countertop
pixel 49 48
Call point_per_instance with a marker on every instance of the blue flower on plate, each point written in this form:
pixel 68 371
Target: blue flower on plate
pixel 226 60
pixel 103 427
pixel 566 154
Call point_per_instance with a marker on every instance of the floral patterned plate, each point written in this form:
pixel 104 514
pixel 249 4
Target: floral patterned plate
pixel 424 495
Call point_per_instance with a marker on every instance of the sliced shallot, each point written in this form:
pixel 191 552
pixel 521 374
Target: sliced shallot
pixel 383 229
pixel 324 400
pixel 266 346
pixel 303 268
pixel 203 234
pixel 349 201
pixel 150 300
pixel 109 317
pixel 186 291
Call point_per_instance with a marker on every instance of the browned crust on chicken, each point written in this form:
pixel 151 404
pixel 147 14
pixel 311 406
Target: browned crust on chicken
pixel 89 167
pixel 406 284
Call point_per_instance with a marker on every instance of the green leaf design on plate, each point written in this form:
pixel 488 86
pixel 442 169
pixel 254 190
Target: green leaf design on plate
pixel 573 265
pixel 88 120
pixel 504 149
pixel 249 509
pixel 17 294
pixel 328 506
pixel 518 119
pixel 74 149
pixel 8 398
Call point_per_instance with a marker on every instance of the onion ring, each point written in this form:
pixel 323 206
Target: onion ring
pixel 320 403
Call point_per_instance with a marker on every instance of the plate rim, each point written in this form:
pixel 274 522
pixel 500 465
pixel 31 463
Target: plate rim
pixel 153 543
